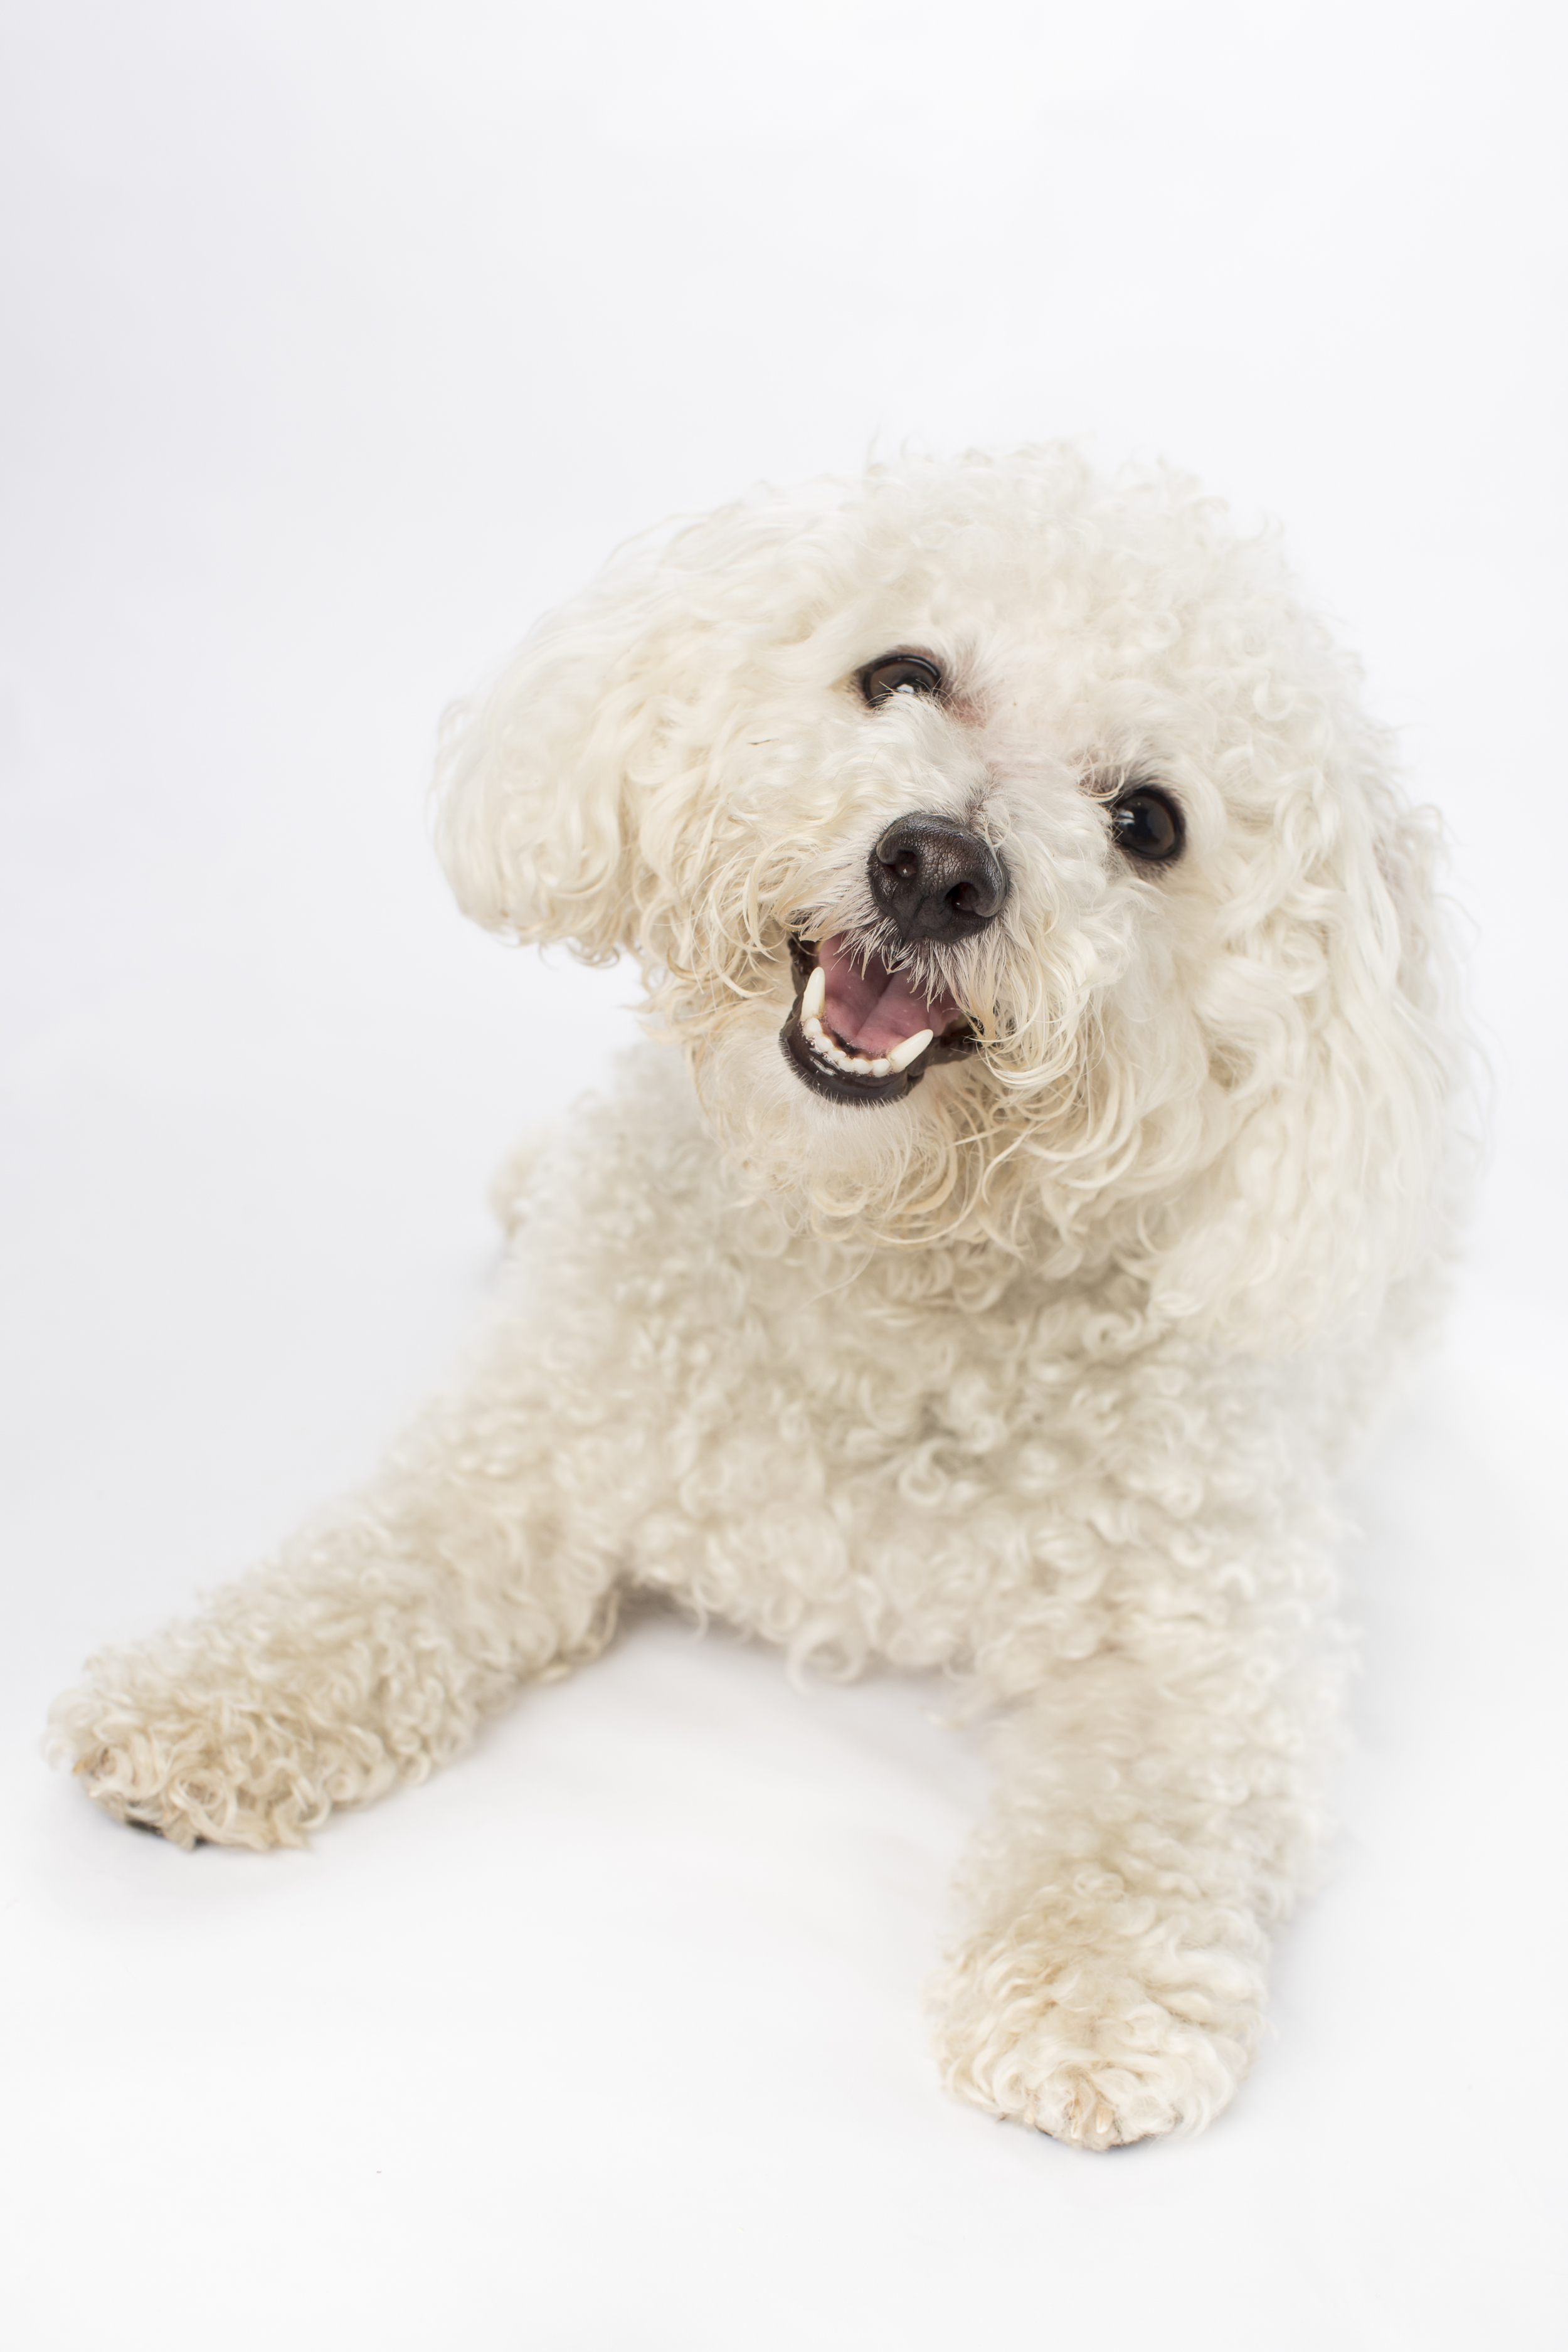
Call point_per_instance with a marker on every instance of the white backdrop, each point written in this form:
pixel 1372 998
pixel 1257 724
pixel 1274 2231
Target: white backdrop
pixel 342 339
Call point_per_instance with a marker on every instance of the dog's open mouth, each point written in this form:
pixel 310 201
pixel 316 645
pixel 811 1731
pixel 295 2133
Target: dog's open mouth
pixel 861 1031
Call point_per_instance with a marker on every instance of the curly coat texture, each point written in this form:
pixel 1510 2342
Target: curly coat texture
pixel 1038 1374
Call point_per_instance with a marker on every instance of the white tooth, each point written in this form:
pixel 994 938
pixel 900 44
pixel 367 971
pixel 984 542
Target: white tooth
pixel 814 996
pixel 900 1057
pixel 880 1066
pixel 812 1025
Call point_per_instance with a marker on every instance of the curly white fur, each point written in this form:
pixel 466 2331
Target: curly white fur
pixel 1038 1374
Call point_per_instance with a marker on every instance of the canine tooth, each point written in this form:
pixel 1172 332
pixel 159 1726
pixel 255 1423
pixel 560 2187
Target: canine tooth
pixel 900 1057
pixel 815 995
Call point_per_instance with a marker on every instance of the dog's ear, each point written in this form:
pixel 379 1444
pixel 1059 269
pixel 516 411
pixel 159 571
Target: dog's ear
pixel 565 794
pixel 1339 1173
pixel 535 781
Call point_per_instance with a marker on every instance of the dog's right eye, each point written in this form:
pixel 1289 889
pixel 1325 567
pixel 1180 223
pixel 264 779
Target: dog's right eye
pixel 897 674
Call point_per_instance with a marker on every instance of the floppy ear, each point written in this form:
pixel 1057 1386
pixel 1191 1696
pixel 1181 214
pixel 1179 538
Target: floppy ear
pixel 534 805
pixel 1339 1172
pixel 564 795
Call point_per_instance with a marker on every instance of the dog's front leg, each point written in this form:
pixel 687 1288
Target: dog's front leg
pixel 368 1651
pixel 1150 1824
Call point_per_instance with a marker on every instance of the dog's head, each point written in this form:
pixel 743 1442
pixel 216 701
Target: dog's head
pixel 1012 855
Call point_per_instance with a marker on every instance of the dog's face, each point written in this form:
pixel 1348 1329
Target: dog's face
pixel 1011 853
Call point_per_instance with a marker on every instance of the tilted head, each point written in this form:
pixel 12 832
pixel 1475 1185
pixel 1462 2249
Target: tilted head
pixel 1012 855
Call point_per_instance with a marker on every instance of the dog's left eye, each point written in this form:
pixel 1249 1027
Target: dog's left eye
pixel 1148 825
pixel 898 674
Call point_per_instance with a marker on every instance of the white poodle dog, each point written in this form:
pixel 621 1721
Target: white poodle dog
pixel 1055 1167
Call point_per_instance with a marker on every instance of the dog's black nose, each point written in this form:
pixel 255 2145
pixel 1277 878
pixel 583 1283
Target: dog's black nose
pixel 936 880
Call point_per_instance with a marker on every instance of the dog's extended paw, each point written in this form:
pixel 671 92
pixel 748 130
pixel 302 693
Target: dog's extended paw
pixel 207 1766
pixel 1095 2052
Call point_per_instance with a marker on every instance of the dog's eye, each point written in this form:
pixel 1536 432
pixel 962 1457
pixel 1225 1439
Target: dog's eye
pixel 1147 824
pixel 898 674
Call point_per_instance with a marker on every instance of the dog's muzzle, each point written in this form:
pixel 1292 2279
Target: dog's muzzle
pixel 864 1029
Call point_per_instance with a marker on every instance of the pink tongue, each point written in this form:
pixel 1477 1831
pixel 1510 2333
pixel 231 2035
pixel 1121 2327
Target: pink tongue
pixel 871 1008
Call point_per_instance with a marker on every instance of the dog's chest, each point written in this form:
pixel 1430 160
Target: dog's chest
pixel 921 1452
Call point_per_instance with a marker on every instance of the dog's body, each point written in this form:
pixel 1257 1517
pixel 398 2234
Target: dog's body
pixel 1026 1352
